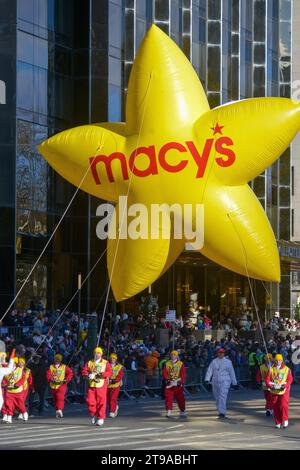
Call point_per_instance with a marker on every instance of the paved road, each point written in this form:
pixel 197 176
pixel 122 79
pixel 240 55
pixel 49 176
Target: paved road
pixel 142 425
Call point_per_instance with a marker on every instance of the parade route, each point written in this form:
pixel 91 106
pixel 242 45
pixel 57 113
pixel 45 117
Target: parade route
pixel 142 425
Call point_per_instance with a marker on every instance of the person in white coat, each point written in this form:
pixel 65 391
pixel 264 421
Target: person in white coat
pixel 5 371
pixel 221 373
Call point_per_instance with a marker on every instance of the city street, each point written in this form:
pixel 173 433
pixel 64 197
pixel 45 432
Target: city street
pixel 142 425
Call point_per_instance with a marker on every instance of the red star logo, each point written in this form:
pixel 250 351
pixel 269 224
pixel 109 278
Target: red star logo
pixel 217 129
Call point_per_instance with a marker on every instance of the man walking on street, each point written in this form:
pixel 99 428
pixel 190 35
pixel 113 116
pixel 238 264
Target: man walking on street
pixel 59 375
pixel 39 370
pixel 221 372
pixel 114 386
pixel 279 380
pixel 261 378
pixel 97 371
pixel 174 376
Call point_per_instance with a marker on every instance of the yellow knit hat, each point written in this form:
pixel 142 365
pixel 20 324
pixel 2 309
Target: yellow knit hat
pixel 98 350
pixel 22 361
pixel 58 356
pixel 175 353
pixel 269 356
pixel 278 357
pixel 16 360
pixel 114 355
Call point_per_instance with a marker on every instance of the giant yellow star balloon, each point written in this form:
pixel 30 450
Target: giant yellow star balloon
pixel 173 149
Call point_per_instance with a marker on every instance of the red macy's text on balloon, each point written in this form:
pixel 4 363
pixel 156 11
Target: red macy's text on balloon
pixel 226 157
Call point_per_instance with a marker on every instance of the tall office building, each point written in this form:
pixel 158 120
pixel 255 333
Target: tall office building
pixel 295 161
pixel 67 62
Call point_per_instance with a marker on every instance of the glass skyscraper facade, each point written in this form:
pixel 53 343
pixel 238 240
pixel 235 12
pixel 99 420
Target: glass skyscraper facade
pixel 66 63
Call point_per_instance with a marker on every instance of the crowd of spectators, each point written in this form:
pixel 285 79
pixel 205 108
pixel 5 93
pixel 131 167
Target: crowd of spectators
pixel 134 339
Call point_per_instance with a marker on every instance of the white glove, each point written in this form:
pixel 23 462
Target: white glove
pixel 173 383
pixel 91 376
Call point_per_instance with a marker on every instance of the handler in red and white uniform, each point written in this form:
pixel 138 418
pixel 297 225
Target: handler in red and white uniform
pixel 115 383
pixel 174 375
pixel 261 378
pixel 97 371
pixel 279 380
pixel 5 370
pixel 59 375
pixel 14 396
pixel 28 384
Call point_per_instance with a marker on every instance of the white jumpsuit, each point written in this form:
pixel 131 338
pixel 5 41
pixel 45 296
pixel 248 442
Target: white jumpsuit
pixel 222 374
pixel 5 371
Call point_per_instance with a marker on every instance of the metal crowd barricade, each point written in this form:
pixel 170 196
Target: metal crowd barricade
pixel 194 379
pixel 296 373
pixel 18 332
pixel 242 374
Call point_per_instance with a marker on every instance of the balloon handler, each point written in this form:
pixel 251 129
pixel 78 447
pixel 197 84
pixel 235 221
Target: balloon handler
pixel 97 371
pixel 58 376
pixel 279 380
pixel 14 394
pixel 261 378
pixel 28 384
pixel 5 370
pixel 174 375
pixel 114 386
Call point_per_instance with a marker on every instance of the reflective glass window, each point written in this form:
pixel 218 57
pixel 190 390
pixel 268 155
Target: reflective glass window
pixel 213 68
pixel 259 186
pixel 235 43
pixel 26 10
pixel 114 71
pixel 235 15
pixel 202 30
pixel 285 9
pixel 25 47
pixel 115 25
pixel 25 85
pixel 214 99
pixel 162 10
pixel 285 196
pixel 114 103
pixel 140 31
pixel 285 72
pixel 259 20
pixel 284 224
pixel 259 53
pixel 40 13
pixel 214 32
pixel 129 39
pixel 214 9
pixel 40 90
pixel 285 40
pixel 186 23
pixel 284 168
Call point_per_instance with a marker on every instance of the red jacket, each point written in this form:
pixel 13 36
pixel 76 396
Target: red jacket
pixel 68 375
pixel 30 381
pixel 165 373
pixel 106 374
pixel 289 379
pixel 120 375
pixel 19 383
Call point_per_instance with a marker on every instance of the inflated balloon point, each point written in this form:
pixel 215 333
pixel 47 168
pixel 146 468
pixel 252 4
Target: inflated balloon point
pixel 173 149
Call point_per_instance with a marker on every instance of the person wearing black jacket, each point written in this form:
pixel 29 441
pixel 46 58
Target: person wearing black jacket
pixel 38 369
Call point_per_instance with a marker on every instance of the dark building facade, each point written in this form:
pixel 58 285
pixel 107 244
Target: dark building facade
pixel 66 63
